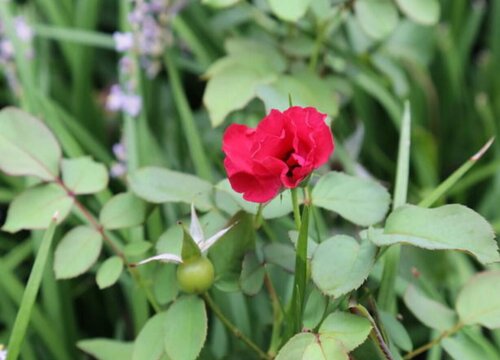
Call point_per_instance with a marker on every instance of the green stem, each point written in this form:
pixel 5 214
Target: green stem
pixel 375 334
pixel 258 217
pixel 233 329
pixel 198 155
pixel 277 317
pixel 296 209
pixel 387 293
pixel 313 62
pixel 296 310
pixel 436 341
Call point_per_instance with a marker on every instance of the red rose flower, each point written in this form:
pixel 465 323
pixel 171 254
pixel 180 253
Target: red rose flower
pixel 281 152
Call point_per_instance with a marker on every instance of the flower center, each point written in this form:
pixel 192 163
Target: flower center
pixel 293 161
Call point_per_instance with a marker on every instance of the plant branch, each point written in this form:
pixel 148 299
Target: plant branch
pixel 233 329
pixel 434 342
pixel 98 227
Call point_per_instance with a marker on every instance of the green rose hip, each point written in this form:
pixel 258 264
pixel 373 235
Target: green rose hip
pixel 195 276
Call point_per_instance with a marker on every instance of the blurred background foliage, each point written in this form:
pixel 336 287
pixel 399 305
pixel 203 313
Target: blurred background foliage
pixel 228 61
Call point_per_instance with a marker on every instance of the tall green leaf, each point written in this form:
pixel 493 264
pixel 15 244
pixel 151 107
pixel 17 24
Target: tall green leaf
pixel 30 293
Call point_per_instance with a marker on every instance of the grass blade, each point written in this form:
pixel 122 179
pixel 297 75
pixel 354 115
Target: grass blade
pixel 387 294
pixel 29 297
pixel 453 178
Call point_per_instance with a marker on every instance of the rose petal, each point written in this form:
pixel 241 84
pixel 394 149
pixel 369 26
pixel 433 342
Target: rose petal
pixel 236 144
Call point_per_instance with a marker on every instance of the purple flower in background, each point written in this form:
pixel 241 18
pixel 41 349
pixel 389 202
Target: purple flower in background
pixel 23 30
pixel 118 100
pixel 3 353
pixel 132 104
pixel 6 49
pixel 120 151
pixel 118 170
pixel 123 41
pixel 115 98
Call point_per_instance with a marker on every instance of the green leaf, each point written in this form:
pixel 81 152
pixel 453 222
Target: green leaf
pixel 84 176
pixel 109 272
pixel 280 254
pixel 314 310
pixel 159 185
pixel 479 300
pixel 306 89
pixel 149 342
pixel 185 328
pixel 137 248
pixel 463 346
pixel 107 349
pixel 230 201
pixel 165 283
pixel 77 252
pixel 430 312
pixel 232 90
pixel 449 227
pixel 396 331
pixel 308 346
pixel 377 18
pixel 234 78
pixel 252 274
pixel 325 348
pixel 35 207
pixel 340 264
pixel 290 10
pixel 219 3
pixel 425 12
pixel 27 146
pixel 361 201
pixel 295 348
pixel 227 253
pixel 122 211
pixel 349 329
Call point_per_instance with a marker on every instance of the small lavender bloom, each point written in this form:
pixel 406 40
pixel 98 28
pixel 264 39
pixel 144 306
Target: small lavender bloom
pixel 126 65
pixel 6 49
pixel 3 353
pixel 23 30
pixel 120 151
pixel 117 170
pixel 123 41
pixel 132 104
pixel 114 101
